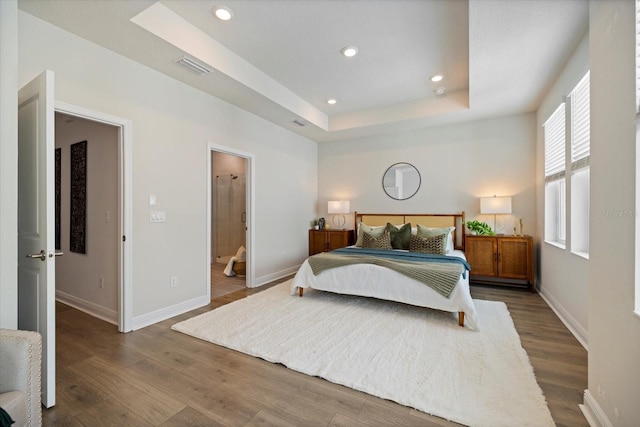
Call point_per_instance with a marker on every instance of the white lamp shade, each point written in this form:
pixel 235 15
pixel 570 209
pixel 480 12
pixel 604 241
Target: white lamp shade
pixel 495 205
pixel 338 207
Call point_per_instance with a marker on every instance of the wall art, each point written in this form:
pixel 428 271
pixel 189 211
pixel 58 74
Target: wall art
pixel 78 214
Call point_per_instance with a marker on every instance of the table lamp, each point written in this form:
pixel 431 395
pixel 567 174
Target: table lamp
pixel 336 207
pixel 496 206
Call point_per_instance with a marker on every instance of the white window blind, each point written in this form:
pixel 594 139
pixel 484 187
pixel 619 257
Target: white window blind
pixel 580 124
pixel 554 145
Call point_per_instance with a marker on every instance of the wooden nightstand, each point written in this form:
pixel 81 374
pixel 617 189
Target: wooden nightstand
pixel 501 260
pixel 328 240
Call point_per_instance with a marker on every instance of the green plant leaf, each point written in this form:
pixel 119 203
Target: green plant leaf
pixel 480 228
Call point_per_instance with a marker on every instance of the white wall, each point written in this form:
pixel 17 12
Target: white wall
pixel 614 330
pixel 172 124
pixel 458 165
pixel 564 275
pixel 78 275
pixel 8 164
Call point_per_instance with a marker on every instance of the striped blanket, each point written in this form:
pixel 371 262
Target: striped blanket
pixel 441 273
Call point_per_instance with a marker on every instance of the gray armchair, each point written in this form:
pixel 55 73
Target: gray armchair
pixel 20 364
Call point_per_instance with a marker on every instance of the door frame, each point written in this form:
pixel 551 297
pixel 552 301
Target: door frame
pixel 249 159
pixel 125 200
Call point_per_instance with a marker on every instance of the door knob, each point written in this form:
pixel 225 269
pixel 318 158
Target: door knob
pixel 42 255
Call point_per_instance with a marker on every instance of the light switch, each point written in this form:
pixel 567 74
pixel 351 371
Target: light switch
pixel 152 200
pixel 157 216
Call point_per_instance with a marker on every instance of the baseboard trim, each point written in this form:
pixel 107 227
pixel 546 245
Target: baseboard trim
pixel 148 319
pixel 593 412
pixel 91 308
pixel 569 321
pixel 275 276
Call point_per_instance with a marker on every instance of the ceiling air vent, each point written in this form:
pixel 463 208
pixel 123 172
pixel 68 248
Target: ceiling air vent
pixel 193 66
pixel 300 122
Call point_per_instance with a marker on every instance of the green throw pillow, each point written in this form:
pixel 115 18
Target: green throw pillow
pixel 400 237
pixel 364 228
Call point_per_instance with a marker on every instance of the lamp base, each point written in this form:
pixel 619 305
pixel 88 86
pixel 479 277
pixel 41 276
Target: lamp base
pixel 340 223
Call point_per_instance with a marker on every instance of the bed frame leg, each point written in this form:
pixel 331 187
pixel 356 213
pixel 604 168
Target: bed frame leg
pixel 300 291
pixel 461 318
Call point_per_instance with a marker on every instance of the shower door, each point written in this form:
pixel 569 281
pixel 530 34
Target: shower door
pixel 230 215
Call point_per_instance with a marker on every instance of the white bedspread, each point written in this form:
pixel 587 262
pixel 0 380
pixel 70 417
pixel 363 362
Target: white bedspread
pixel 379 282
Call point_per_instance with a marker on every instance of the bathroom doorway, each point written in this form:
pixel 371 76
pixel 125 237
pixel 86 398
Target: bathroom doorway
pixel 228 223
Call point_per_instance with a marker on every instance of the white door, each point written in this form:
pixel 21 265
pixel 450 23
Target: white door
pixel 36 239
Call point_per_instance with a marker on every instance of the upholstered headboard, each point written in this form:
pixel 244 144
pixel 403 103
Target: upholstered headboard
pixel 428 220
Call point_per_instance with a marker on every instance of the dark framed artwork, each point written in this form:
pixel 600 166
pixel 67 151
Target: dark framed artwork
pixel 58 190
pixel 78 190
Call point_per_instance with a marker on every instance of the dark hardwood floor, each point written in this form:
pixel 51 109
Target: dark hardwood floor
pixel 158 377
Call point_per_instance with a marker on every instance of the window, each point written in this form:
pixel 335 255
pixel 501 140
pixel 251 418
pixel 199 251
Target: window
pixel 554 172
pixel 567 140
pixel 580 154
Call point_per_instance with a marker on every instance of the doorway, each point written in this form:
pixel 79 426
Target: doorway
pixel 118 220
pixel 229 220
pixel 36 216
pixel 86 218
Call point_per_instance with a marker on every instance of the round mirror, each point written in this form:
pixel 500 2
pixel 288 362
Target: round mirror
pixel 401 181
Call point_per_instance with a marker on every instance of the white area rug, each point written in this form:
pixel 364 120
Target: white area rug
pixel 417 357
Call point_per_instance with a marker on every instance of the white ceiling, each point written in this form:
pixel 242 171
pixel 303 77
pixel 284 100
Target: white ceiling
pixel 280 59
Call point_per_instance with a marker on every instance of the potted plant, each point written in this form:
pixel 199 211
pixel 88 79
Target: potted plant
pixel 479 228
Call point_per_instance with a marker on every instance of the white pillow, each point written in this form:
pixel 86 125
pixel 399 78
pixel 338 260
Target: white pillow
pixel 431 231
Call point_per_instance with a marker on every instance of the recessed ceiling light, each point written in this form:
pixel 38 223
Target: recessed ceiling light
pixel 436 78
pixel 331 101
pixel 222 12
pixel 349 51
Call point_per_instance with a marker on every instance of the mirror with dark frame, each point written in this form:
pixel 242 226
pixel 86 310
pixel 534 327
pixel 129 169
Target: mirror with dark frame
pixel 401 181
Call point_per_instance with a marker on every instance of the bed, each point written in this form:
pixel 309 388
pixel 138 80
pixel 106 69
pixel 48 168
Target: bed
pixel 378 281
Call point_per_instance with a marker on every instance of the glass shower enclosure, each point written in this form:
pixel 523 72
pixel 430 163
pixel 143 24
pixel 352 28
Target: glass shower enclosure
pixel 229 222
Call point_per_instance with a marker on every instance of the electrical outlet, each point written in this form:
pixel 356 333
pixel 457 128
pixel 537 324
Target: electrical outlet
pixel 101 282
pixel 173 282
